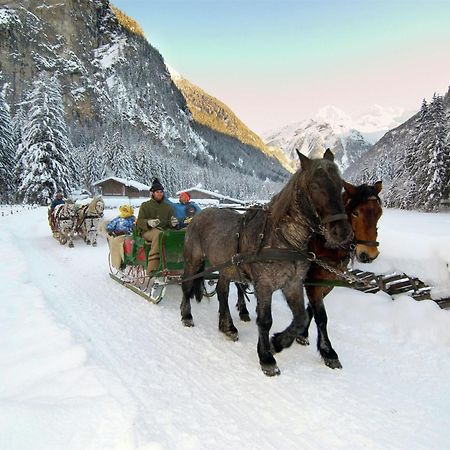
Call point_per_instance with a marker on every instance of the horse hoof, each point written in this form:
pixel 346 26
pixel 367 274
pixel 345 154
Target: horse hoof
pixel 244 317
pixel 71 245
pixel 270 371
pixel 232 335
pixel 302 340
pixel 188 322
pixel 332 363
pixel 94 244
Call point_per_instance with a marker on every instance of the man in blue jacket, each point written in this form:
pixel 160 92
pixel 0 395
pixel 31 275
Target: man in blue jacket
pixel 185 210
pixel 58 200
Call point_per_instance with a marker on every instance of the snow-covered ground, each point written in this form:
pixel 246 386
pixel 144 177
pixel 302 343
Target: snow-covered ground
pixel 87 364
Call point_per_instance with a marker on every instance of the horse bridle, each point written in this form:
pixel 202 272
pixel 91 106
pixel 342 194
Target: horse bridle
pixel 353 207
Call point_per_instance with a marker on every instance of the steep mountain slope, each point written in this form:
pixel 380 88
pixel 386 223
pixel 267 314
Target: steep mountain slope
pixel 210 112
pixel 116 87
pixel 410 158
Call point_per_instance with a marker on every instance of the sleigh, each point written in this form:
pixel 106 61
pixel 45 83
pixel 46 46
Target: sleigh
pixel 133 270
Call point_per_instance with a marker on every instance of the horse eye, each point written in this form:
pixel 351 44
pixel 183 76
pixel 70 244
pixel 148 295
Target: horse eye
pixel 355 213
pixel 314 186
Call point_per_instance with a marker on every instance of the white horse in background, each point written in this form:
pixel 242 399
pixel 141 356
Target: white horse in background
pixel 64 217
pixel 88 219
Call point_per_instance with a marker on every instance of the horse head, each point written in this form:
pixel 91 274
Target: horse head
pixel 68 210
pixel 96 207
pixel 320 189
pixel 100 206
pixel 363 207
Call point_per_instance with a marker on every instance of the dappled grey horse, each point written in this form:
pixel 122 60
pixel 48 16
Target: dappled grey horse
pixel 310 202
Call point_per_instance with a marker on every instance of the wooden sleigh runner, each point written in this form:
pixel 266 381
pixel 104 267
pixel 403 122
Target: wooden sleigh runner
pixel 393 284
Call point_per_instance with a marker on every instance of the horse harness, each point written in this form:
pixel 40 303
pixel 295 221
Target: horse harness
pixel 263 254
pixel 86 216
pixel 287 254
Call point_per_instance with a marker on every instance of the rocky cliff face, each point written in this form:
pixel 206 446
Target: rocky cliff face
pixel 111 78
pixel 106 71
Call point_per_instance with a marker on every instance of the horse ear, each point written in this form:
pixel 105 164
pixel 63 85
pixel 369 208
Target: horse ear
pixel 304 160
pixel 328 155
pixel 349 188
pixel 378 185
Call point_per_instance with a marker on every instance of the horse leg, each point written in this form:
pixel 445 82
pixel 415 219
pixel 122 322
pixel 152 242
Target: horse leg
pixel 71 238
pixel 240 305
pixel 264 323
pixel 190 289
pixel 94 239
pixel 303 338
pixel 293 294
pixel 226 324
pixel 324 347
pixel 314 292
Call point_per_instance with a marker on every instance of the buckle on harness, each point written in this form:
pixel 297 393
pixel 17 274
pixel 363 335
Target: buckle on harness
pixel 312 256
pixel 235 259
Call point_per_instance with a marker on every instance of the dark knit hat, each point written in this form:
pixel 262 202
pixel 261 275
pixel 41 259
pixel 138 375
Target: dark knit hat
pixel 156 185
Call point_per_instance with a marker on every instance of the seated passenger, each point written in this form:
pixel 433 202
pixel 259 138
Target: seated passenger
pixel 58 200
pixel 155 216
pixel 123 223
pixel 117 230
pixel 185 210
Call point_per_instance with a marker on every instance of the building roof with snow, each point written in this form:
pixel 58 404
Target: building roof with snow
pixel 198 194
pixel 121 186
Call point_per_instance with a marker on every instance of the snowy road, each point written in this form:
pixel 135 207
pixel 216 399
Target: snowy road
pixel 87 364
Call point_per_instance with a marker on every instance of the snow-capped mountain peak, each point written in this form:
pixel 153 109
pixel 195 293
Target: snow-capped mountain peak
pixel 335 117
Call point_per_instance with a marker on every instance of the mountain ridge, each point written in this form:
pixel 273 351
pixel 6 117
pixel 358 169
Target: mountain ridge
pixel 117 90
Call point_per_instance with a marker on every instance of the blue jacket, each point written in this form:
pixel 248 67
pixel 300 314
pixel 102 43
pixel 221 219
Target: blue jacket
pixel 56 202
pixel 119 225
pixel 183 211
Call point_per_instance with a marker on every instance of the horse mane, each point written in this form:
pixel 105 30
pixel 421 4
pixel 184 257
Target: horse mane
pixel 283 201
pixel 363 193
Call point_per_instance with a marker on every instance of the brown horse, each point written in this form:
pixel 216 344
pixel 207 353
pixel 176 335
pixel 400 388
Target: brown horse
pixel 310 202
pixel 363 208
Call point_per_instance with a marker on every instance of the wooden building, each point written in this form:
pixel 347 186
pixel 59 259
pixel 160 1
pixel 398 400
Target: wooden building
pixel 202 194
pixel 113 186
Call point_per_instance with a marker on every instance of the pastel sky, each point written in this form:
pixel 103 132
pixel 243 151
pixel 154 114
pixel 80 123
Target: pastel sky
pixel 275 62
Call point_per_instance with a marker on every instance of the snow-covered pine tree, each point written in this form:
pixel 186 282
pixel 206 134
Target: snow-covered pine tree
pixel 142 166
pixel 107 156
pixel 438 169
pixel 120 160
pixel 89 165
pixel 7 151
pixel 416 161
pixel 45 149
